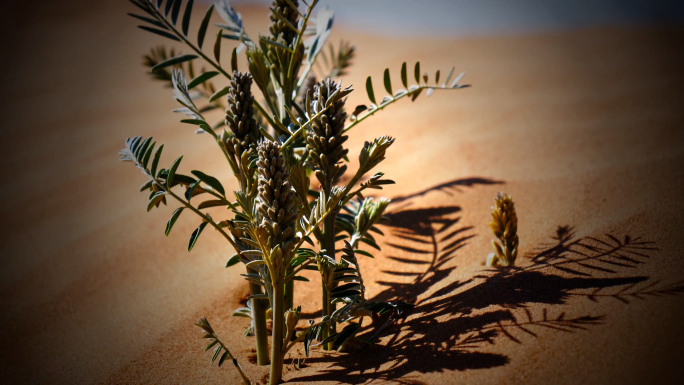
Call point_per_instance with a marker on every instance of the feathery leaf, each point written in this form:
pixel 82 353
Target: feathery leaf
pixel 369 90
pixel 195 235
pixel 387 81
pixel 186 17
pixel 203 27
pixel 159 32
pixel 173 61
pixel 172 220
pixel 404 80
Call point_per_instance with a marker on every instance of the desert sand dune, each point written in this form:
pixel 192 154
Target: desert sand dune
pixel 583 128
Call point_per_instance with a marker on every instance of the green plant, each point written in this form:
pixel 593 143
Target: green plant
pixel 505 227
pixel 273 146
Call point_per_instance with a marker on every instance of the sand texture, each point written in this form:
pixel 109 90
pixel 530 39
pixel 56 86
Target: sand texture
pixel 584 129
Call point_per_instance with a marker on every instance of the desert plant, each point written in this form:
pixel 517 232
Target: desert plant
pixel 274 142
pixel 505 227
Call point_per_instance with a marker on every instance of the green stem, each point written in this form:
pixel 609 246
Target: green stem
pixel 264 113
pixel 354 180
pixel 325 332
pixel 328 244
pixel 259 319
pixel 289 294
pixel 277 339
pixel 299 42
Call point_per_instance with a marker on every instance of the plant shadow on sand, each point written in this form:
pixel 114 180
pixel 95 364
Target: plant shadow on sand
pixel 453 320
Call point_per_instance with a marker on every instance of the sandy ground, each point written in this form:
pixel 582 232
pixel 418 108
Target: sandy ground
pixel 584 129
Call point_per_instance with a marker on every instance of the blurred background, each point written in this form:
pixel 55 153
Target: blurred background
pixel 458 18
pixel 575 109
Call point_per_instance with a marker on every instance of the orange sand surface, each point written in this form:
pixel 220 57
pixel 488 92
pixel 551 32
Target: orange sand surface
pixel 584 129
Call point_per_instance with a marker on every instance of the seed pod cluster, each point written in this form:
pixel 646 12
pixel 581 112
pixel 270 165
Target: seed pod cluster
pixel 505 227
pixel 324 142
pixel 276 198
pixel 240 113
pixel 278 28
pixel 283 34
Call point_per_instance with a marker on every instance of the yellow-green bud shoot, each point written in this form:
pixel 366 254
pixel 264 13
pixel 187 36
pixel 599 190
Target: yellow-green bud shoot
pixel 505 227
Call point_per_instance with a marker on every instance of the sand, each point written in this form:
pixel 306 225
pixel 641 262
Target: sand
pixel 582 128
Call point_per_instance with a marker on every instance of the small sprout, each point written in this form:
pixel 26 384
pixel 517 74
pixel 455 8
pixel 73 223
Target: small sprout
pixel 505 227
pixel 292 317
pixel 326 266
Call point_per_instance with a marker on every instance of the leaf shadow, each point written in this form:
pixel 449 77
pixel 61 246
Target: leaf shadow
pixel 449 188
pixel 454 322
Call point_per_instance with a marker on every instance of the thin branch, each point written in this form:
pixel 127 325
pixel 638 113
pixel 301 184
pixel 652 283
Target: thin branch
pixel 196 211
